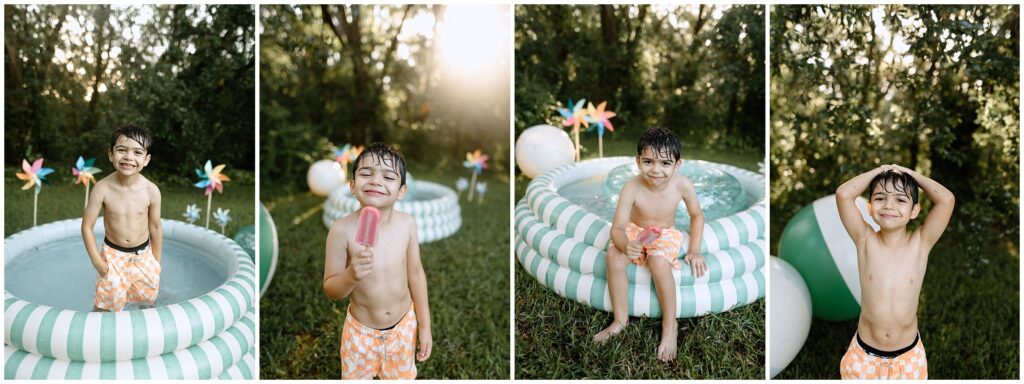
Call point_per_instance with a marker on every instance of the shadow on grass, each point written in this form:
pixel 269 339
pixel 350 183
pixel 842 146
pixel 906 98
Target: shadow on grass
pixel 467 276
pixel 553 334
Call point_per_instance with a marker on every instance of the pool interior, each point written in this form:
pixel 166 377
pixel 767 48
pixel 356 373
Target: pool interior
pixel 720 193
pixel 59 274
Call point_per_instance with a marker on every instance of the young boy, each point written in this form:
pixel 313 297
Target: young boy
pixel 388 306
pixel 892 264
pixel 128 266
pixel 650 199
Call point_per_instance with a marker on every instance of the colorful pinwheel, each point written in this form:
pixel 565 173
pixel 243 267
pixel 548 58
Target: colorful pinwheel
pixel 35 176
pixel 192 213
pixel 599 117
pixel 345 155
pixel 84 173
pixel 222 218
pixel 477 162
pixel 574 116
pixel 211 179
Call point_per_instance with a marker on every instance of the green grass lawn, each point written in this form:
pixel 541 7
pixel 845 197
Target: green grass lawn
pixel 553 334
pixel 467 276
pixel 65 200
pixel 968 317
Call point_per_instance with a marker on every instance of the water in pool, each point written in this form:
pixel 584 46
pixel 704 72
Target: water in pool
pixel 60 275
pixel 720 194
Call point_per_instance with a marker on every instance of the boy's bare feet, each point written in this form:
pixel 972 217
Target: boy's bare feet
pixel 613 329
pixel 667 348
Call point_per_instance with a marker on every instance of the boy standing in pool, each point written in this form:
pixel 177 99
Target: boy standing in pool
pixel 128 265
pixel 387 288
pixel 650 200
pixel 892 264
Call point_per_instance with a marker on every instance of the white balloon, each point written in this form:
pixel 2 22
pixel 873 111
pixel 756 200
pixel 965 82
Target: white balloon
pixel 324 176
pixel 542 148
pixel 790 315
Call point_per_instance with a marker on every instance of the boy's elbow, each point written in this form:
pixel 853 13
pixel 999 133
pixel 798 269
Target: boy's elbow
pixel 844 192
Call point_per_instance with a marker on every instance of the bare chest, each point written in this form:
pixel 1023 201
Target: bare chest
pixel 126 203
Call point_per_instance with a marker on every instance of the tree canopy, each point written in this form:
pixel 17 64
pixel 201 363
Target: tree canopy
pixel 183 72
pixel 696 69
pixel 432 81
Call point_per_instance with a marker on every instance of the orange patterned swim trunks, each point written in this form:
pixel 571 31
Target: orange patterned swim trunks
pixel 862 362
pixel 133 276
pixel 388 354
pixel 666 246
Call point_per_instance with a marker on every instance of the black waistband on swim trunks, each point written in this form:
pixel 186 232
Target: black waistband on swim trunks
pixel 886 354
pixel 136 249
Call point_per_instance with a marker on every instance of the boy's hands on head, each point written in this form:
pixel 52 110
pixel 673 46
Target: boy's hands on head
pixel 362 264
pixel 426 344
pixel 634 250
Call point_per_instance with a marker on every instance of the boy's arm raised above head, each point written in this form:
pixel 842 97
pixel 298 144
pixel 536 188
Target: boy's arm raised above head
pixel 92 212
pixel 418 289
pixel 156 229
pixel 846 200
pixel 942 210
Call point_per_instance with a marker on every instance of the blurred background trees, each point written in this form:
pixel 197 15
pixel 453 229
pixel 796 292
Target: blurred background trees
pixel 184 72
pixel 696 69
pixel 934 88
pixel 431 80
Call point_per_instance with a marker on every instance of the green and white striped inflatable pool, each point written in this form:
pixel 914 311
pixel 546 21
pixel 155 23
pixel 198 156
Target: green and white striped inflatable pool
pixel 436 209
pixel 564 247
pixel 210 336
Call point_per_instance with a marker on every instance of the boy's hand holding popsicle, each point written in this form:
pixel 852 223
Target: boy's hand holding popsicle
pixel 366 234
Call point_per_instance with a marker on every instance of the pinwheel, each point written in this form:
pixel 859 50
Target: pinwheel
pixel 210 179
pixel 192 213
pixel 222 218
pixel 84 173
pixel 477 162
pixel 599 118
pixel 345 155
pixel 35 176
pixel 574 116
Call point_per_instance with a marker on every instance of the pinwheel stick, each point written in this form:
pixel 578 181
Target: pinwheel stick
pixel 35 206
pixel 86 194
pixel 472 186
pixel 209 200
pixel 576 132
pixel 600 146
pixel 221 229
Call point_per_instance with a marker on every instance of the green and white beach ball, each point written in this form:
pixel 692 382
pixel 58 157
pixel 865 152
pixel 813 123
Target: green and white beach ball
pixel 816 244
pixel 268 249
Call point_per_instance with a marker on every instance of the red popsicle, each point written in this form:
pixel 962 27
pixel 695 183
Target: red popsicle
pixel 649 235
pixel 369 220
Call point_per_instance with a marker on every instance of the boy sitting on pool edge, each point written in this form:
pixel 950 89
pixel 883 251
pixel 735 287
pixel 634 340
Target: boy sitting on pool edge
pixel 650 199
pixel 128 266
pixel 388 308
pixel 892 265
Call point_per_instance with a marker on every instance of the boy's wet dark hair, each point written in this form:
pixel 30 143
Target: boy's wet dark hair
pixel 900 181
pixel 660 140
pixel 386 155
pixel 132 132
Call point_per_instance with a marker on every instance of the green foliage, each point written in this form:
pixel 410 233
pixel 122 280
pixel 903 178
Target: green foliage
pixel 931 87
pixel 319 90
pixel 696 70
pixel 184 72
